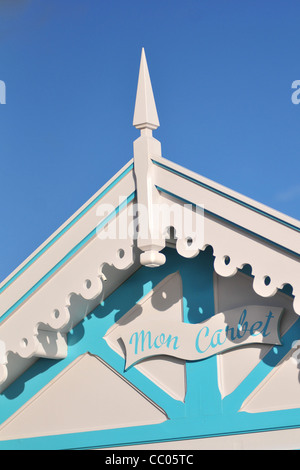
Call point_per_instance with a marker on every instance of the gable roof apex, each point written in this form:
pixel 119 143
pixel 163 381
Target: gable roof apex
pixel 68 276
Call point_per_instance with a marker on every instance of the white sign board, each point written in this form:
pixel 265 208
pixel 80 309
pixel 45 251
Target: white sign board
pixel 231 329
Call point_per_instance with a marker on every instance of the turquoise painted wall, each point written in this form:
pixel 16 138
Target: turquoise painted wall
pixel 202 414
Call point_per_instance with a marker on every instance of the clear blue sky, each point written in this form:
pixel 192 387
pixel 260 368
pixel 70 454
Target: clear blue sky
pixel 221 73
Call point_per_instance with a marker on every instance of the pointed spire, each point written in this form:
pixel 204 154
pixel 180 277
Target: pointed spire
pixel 145 114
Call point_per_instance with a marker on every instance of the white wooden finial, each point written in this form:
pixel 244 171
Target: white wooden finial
pixel 145 114
pixel 146 147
